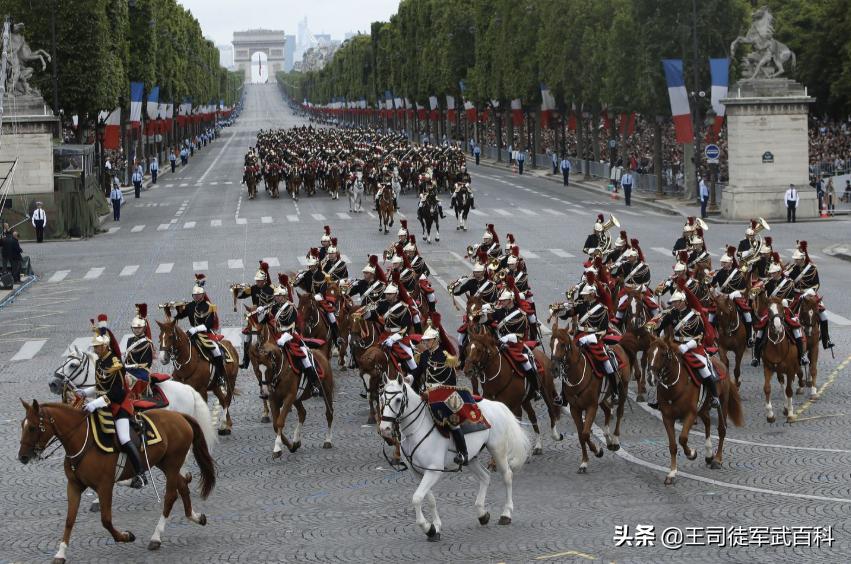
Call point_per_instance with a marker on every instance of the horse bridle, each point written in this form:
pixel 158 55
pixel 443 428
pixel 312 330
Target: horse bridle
pixel 68 380
pixel 665 370
pixel 42 428
pixel 172 350
pixel 562 365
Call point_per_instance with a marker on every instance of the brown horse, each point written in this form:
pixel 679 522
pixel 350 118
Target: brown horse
pixel 779 353
pixel 678 397
pixel 294 184
pixel 363 338
pixel 473 310
pixel 636 338
pixel 314 324
pixel 808 315
pixel 272 182
pixel 732 335
pixel 374 362
pixel 251 184
pixel 261 334
pixel 499 382
pixel 191 368
pixel 583 391
pixel 386 210
pixel 284 392
pixel 86 466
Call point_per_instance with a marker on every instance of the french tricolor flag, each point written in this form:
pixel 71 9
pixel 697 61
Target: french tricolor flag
pixel 137 93
pixel 517 112
pixel 679 100
pixel 720 71
pixel 112 128
pixel 548 104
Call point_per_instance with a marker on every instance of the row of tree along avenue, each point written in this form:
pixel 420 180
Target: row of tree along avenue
pixel 456 67
pixel 100 47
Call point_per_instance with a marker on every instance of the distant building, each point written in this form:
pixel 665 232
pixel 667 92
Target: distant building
pixel 322 38
pixel 289 53
pixel 272 43
pixel 316 58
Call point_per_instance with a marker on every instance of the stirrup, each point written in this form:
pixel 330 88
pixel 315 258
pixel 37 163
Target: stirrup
pixel 804 360
pixel 653 405
pixel 460 459
pixel 714 402
pixel 755 362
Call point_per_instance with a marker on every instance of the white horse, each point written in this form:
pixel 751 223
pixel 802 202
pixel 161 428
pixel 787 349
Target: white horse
pixel 355 191
pixel 78 371
pixel 429 455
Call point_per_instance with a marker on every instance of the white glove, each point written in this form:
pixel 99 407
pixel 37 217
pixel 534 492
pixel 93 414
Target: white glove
pixel 318 297
pixel 95 404
pixel 392 339
pixel 735 294
pixel 284 339
pixel 197 328
pixel 683 349
pixel 510 338
pixel 192 331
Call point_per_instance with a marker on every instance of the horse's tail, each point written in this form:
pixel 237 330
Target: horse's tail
pixel 201 413
pixel 514 440
pixel 734 404
pixel 202 456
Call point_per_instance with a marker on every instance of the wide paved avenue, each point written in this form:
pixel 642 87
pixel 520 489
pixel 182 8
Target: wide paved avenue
pixel 346 504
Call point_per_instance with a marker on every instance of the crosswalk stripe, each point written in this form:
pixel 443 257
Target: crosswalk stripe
pixel 478 212
pixel 837 319
pixel 529 255
pixel 215 223
pixel 163 226
pixel 553 212
pixel 343 215
pixel 574 210
pixel 129 270
pixel 164 268
pixel 526 212
pixel 266 219
pixel 182 184
pixel 560 253
pixel 302 260
pixel 169 185
pixel 234 263
pixel 179 212
pixel 112 230
pixel 628 212
pixel 59 276
pixel 137 228
pixel 189 225
pixel 213 183
pixel 241 221
pixel 200 265
pixel 292 218
pixel 272 261
pixel 318 216
pixel 228 182
pixel 502 212
pixel 29 349
pixel 662 251
pixel 94 273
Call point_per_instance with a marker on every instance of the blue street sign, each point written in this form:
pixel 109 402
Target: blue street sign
pixel 712 152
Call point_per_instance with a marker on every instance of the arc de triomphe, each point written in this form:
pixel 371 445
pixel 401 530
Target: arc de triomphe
pixel 268 41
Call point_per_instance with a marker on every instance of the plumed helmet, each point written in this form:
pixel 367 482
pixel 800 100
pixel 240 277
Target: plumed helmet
pixel 332 250
pixel 410 248
pixel 327 235
pixel 765 249
pixel 506 295
pixel 430 334
pixel 678 297
pixel 512 260
pixel 726 259
pixel 696 241
pixel 588 289
pixel 312 261
pixel 391 289
pixel 281 291
pixel 100 340
pixel 368 268
pixel 263 272
pixel 478 267
pixel 137 323
pixel 630 253
pixel 774 267
pixel 197 290
pixel 397 260
pixel 680 267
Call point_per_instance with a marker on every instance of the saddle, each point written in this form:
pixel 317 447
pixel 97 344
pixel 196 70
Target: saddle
pixel 203 344
pixel 452 406
pixel 693 365
pixel 298 369
pixel 508 354
pixel 103 431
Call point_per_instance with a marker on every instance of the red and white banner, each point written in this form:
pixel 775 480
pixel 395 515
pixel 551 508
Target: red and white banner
pixel 112 128
pixel 517 112
pixel 548 104
pixel 137 93
pixel 679 100
pixel 470 111
pixel 450 108
pixel 432 102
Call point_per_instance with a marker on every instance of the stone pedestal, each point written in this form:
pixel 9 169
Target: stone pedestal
pixel 28 132
pixel 768 149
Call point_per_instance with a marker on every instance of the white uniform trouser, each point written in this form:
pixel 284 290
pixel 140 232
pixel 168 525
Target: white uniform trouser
pixel 704 370
pixel 591 339
pixel 285 338
pixel 217 352
pixel 122 429
pixel 396 339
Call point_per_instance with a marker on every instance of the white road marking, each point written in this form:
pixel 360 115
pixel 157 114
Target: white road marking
pixel 169 185
pixel 228 182
pixel 59 276
pixel 370 214
pixel 553 212
pixel 461 259
pixel 273 261
pixel 213 183
pixel 502 212
pixel 179 212
pixel 163 226
pixel 29 349
pixel 266 219
pixel 529 255
pixel 173 221
pixel 837 319
pixel 112 230
pixel 560 253
pixel 200 265
pixel 129 270
pixel 342 215
pixel 478 212
pixel 94 273
pixel 576 211
pixel 318 216
pixel 137 228
pixel 189 225
pixel 662 251
pixel 219 156
pixel 215 223
pixel 292 218
pixel 234 264
pixel 241 221
pixel 183 184
pixel 164 268
pixel 628 212
pixel 526 212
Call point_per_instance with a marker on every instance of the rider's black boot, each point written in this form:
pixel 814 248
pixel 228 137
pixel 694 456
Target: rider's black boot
pixel 245 360
pixel 826 343
pixel 460 447
pixel 757 352
pixel 472 203
pixel 395 204
pixel 335 334
pixel 440 209
pixel 141 475
pixel 219 371
pixel 313 380
pixel 749 333
pixel 712 386
pixel 614 384
pixel 802 354
pixel 534 384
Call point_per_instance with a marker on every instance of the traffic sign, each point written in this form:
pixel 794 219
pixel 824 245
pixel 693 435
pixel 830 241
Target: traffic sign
pixel 712 152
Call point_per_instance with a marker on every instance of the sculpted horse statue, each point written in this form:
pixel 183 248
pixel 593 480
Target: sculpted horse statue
pixel 191 368
pixel 768 57
pixel 87 466
pixel 499 382
pixel 679 395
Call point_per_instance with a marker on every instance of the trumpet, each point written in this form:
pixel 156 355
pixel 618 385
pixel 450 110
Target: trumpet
pixel 471 250
pixel 171 304
pixel 661 287
pixel 613 222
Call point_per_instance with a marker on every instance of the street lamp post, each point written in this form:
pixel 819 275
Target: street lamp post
pixel 713 166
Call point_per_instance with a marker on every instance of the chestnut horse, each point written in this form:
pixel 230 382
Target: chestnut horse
pixel 732 335
pixel 191 368
pixel 284 392
pixel 364 338
pixel 314 324
pixel 86 466
pixel 678 396
pixel 582 389
pixel 636 338
pixel 499 382
pixel 386 211
pixel 261 333
pixel 808 315
pixel 251 184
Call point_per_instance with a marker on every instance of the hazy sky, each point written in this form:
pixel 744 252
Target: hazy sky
pixel 220 18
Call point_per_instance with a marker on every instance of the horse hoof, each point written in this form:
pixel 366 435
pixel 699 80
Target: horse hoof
pixel 58 561
pixel 296 446
pixel 771 419
pixel 129 537
pixel 582 470
pixel 94 507
pixel 188 478
pixel 277 455
pixel 708 460
pixel 814 396
pixel 265 419
pixel 693 455
pixel 432 532
pixel 599 453
pixel 560 437
pixel 640 398
pixel 791 418
pixel 615 447
pixel 202 520
pixel 799 391
pixel 326 444
pixel 537 450
pixel 505 520
pixel 485 519
pixel 715 465
pixel 154 545
pixel 669 481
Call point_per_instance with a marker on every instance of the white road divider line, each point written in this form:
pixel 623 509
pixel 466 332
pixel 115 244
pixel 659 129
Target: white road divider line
pixel 292 218
pixel 189 225
pixel 94 273
pixel 137 228
pixel 266 219
pixel 215 223
pixel 200 265
pixel 560 253
pixel 318 216
pixel 272 261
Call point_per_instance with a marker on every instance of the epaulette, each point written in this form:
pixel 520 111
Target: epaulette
pixel 213 308
pixel 451 361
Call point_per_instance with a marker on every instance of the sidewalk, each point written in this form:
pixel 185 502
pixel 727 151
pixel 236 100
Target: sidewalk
pixel 666 204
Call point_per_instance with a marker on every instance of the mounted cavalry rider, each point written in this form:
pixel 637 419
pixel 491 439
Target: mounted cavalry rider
pixel 461 188
pixel 403 231
pixel 621 244
pixel 759 270
pixel 688 331
pixel 261 294
pixel 104 330
pixel 395 318
pixel 779 286
pixel 293 345
pixel 511 327
pixel 680 270
pixel 437 367
pixel 419 267
pixel 324 243
pixel 698 257
pixel 203 323
pixel 111 392
pixel 140 350
pixel 804 276
pixel 370 288
pixel 682 244
pixel 636 275
pixel 315 282
pixel 333 265
pixel 595 239
pixel 733 282
pixel 490 242
pixel 592 325
pixel 749 244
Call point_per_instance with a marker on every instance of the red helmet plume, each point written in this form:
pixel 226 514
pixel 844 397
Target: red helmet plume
pixel 327 229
